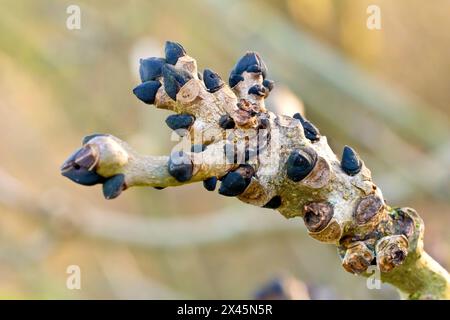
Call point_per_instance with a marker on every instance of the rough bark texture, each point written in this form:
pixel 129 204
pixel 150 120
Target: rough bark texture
pixel 268 160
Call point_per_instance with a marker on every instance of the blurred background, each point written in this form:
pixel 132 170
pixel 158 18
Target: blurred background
pixel 384 92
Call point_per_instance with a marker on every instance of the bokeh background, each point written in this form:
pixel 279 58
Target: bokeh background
pixel 385 92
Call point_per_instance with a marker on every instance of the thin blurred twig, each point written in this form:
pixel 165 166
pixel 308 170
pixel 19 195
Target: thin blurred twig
pixel 165 233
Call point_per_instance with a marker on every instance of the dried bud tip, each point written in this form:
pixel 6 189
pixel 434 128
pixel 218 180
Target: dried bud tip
pixel 367 208
pixel 391 252
pixel 358 258
pixel 317 215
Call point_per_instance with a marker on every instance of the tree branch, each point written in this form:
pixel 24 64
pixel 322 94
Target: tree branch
pixel 268 160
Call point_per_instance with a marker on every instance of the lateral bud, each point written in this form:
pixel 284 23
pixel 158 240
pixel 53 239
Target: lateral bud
pixel 368 209
pixel 391 251
pixel 358 258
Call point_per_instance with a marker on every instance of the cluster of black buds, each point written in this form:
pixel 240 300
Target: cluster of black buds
pixel 153 70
